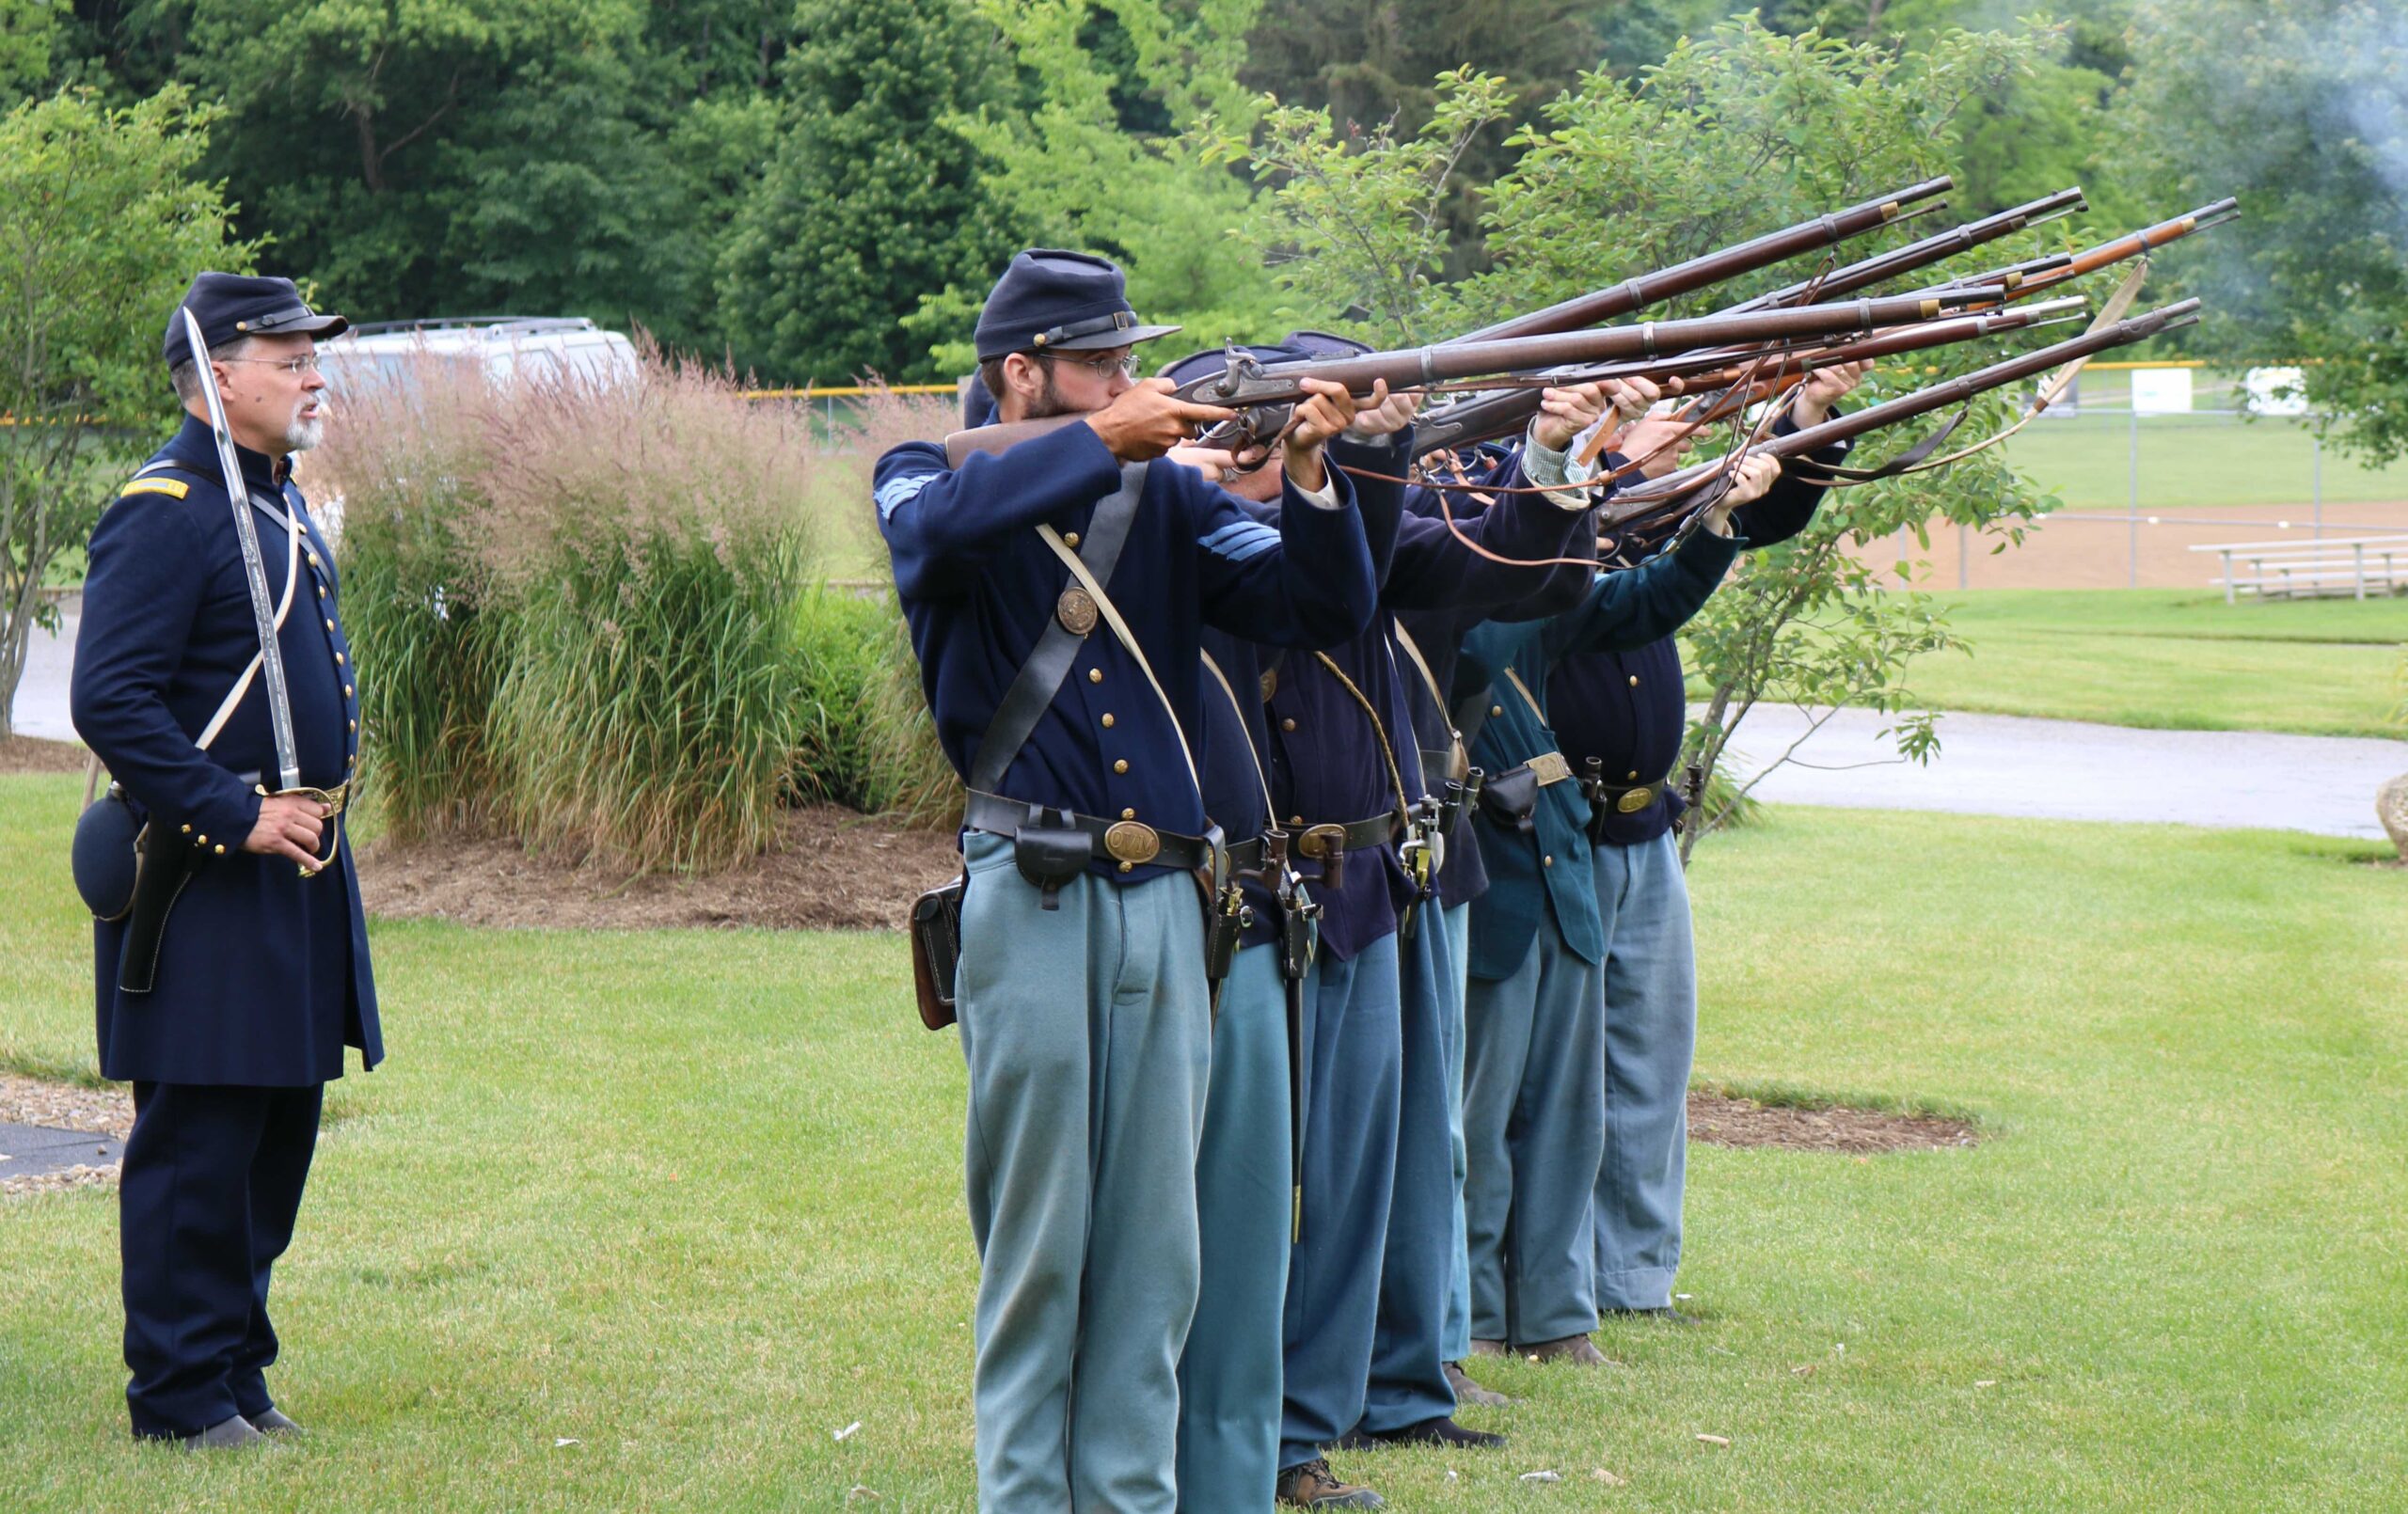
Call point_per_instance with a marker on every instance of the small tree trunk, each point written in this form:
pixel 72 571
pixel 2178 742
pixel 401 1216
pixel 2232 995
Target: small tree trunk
pixel 1709 753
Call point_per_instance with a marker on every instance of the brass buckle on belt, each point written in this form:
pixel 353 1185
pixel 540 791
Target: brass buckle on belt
pixel 1132 842
pixel 1550 767
pixel 1634 800
pixel 1314 840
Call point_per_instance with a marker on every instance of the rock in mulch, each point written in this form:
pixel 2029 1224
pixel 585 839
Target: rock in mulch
pixel 1720 1120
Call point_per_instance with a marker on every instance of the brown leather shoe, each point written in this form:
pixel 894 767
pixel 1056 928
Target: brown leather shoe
pixel 1468 1392
pixel 1314 1486
pixel 1482 1348
pixel 1577 1350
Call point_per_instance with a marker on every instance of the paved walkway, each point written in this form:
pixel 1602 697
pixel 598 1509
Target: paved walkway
pixel 2071 770
pixel 31 1150
pixel 1987 765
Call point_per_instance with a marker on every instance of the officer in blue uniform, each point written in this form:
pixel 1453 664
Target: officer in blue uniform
pixel 1081 989
pixel 1534 1064
pixel 261 977
pixel 1626 711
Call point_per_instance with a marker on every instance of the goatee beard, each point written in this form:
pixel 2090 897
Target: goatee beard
pixel 304 434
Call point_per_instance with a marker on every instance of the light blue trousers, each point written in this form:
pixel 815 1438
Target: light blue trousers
pixel 1408 1381
pixel 1534 1109
pixel 1456 1334
pixel 1651 1039
pixel 1352 1056
pixel 1089 1039
pixel 1228 1379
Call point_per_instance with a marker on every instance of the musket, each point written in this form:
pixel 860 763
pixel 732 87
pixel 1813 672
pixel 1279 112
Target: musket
pixel 1882 267
pixel 1496 415
pixel 1677 494
pixel 1263 392
pixel 2030 279
pixel 1711 268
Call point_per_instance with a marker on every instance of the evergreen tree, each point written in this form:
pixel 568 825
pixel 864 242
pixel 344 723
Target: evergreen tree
pixel 869 199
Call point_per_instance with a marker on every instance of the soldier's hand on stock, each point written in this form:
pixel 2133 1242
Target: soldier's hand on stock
pixel 1148 420
pixel 1384 414
pixel 1215 462
pixel 290 826
pixel 1656 443
pixel 1757 474
pixel 1823 389
pixel 1325 410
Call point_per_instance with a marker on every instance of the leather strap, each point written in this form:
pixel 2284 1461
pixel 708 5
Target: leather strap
pixel 1124 840
pixel 1379 729
pixel 1460 759
pixel 1270 810
pixel 291 524
pixel 1040 677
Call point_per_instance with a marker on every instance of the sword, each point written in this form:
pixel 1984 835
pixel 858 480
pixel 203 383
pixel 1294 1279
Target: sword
pixel 280 704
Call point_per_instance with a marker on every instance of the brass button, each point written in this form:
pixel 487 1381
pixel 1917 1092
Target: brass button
pixel 1107 722
pixel 1128 814
pixel 1126 866
pixel 314 562
pixel 1633 776
pixel 1296 820
pixel 330 625
pixel 200 841
pixel 355 725
pixel 321 591
pixel 219 849
pixel 346 693
pixel 187 830
pixel 1095 675
pixel 338 659
pixel 1288 724
pixel 1496 709
pixel 1120 767
pixel 1071 539
pixel 1634 680
pixel 1548 859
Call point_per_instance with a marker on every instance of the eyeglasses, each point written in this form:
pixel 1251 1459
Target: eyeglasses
pixel 1102 368
pixel 306 363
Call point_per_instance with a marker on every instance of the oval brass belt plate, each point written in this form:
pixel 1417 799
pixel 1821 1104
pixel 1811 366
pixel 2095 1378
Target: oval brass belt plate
pixel 1076 611
pixel 1270 682
pixel 1130 841
pixel 1636 800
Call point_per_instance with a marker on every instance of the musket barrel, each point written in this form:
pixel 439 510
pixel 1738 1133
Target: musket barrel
pixel 1633 503
pixel 1919 254
pixel 1246 385
pixel 1711 268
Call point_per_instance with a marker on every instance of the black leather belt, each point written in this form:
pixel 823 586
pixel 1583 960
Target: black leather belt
pixel 1625 798
pixel 1329 843
pixel 1129 842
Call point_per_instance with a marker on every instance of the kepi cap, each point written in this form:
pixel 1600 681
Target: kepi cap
pixel 243 305
pixel 1050 300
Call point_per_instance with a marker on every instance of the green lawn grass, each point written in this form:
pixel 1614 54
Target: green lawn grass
pixel 691 1200
pixel 2191 461
pixel 2172 658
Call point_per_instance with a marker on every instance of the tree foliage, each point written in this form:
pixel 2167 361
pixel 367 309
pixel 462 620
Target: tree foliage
pixel 2299 109
pixel 102 223
pixel 869 199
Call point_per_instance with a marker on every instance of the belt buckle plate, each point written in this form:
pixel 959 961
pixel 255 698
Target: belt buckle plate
pixel 1130 842
pixel 1636 799
pixel 1315 840
pixel 1550 767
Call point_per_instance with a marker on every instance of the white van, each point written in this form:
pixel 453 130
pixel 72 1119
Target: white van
pixel 505 346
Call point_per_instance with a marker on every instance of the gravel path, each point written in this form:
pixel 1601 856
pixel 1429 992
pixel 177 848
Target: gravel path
pixel 2073 770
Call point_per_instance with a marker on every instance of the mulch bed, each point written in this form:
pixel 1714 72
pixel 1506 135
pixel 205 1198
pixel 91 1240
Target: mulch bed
pixel 32 754
pixel 832 869
pixel 1720 1120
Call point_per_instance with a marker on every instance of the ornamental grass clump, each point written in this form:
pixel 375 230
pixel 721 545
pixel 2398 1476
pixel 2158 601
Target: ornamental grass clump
pixel 648 538
pixel 402 475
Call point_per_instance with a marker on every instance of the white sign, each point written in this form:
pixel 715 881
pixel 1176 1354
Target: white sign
pixel 2275 391
pixel 2160 391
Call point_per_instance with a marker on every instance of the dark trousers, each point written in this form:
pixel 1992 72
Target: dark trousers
pixel 211 1185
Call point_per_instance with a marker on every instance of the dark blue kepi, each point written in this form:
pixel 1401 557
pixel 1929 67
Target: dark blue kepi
pixel 1053 301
